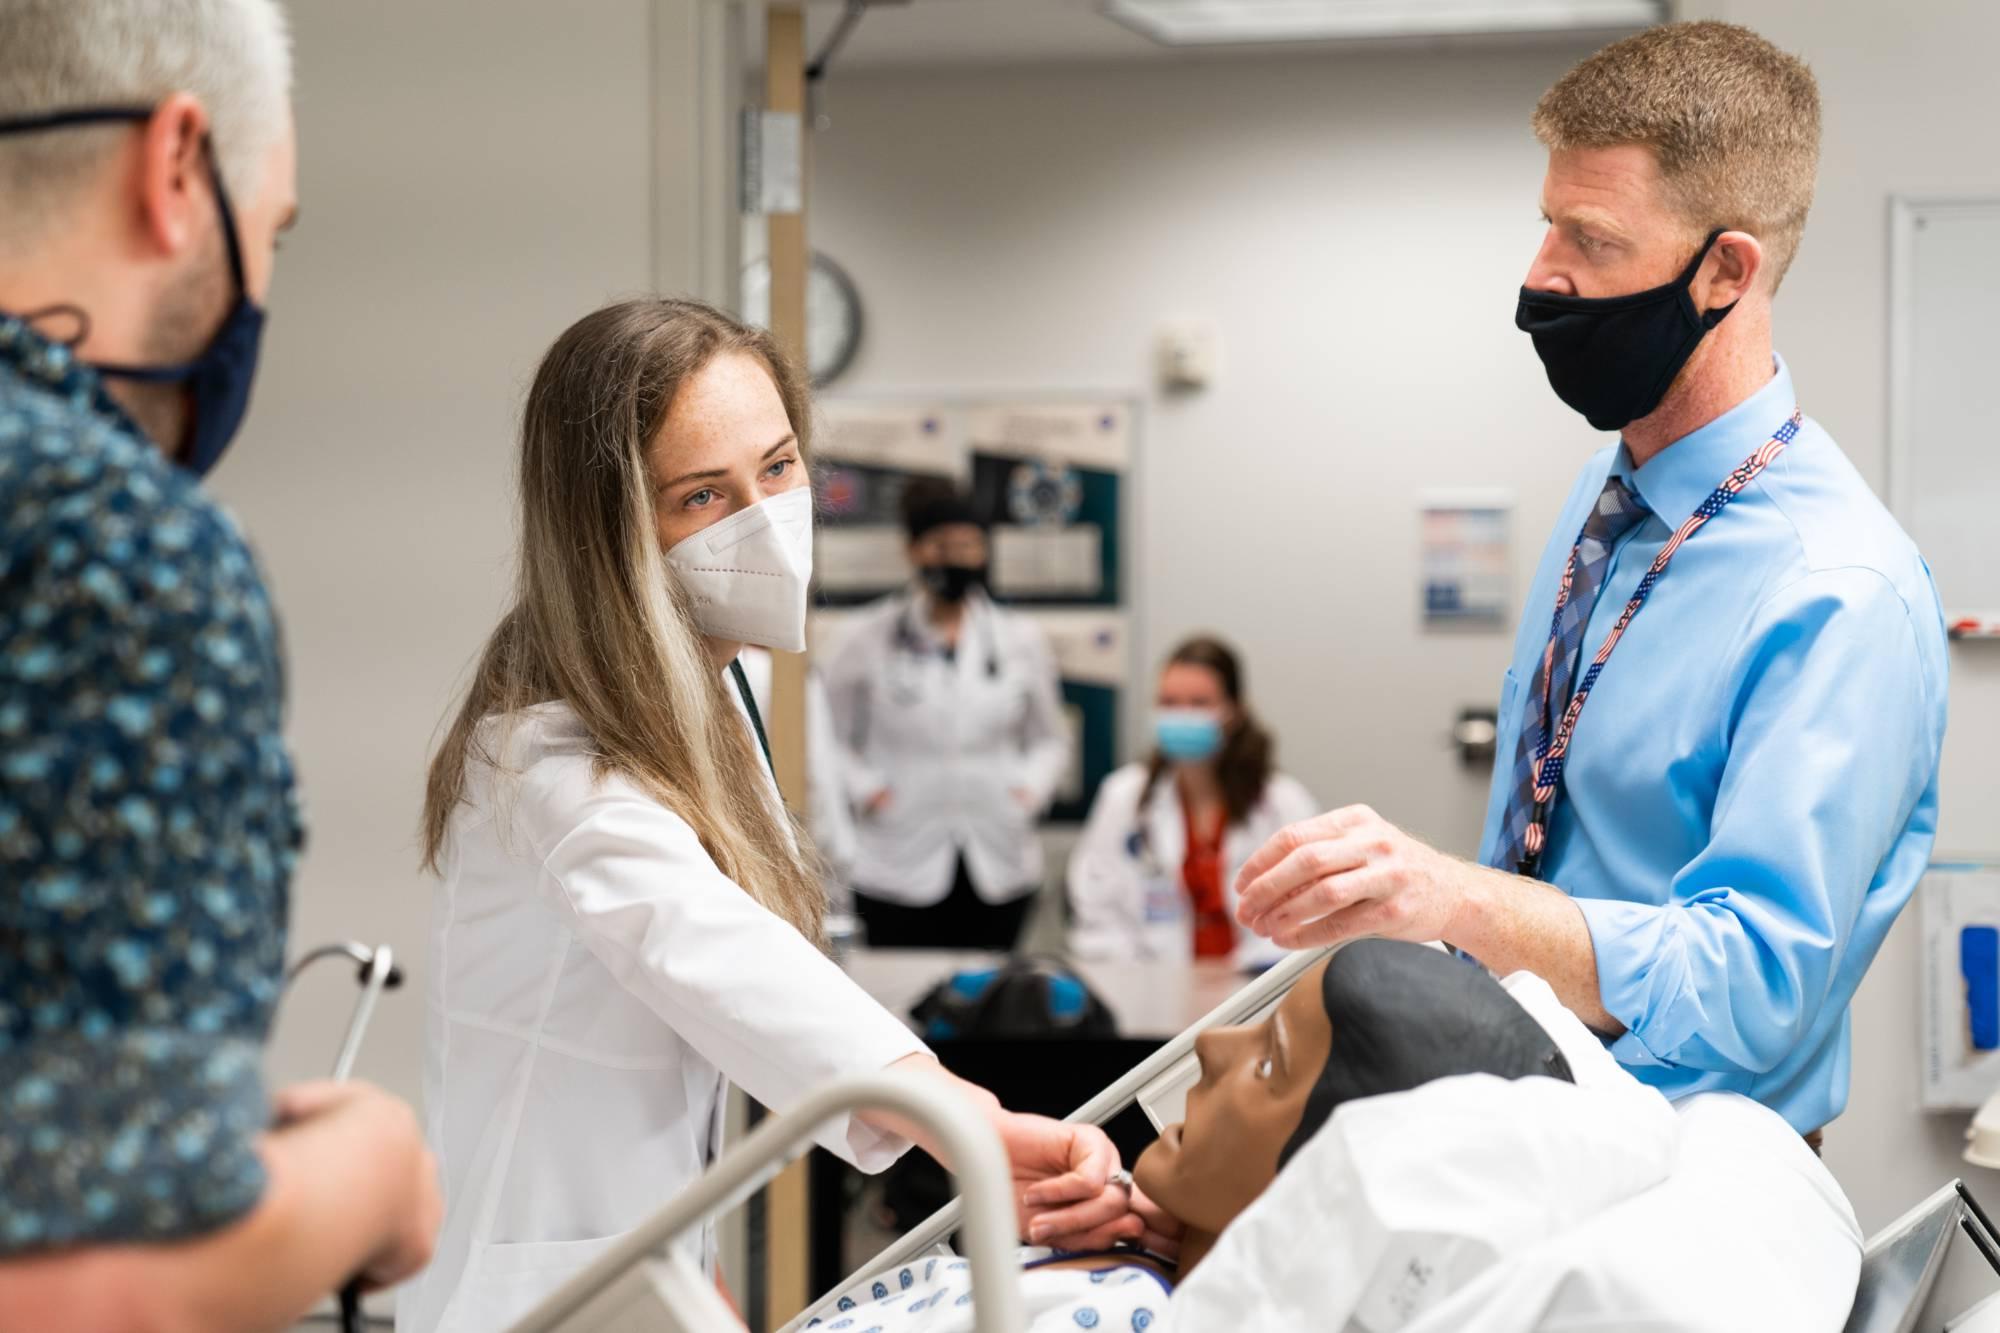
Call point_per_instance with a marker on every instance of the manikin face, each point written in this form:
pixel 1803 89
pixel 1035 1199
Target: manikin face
pixel 1255 1081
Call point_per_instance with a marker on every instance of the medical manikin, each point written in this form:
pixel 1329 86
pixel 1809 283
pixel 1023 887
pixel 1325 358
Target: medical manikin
pixel 1377 1017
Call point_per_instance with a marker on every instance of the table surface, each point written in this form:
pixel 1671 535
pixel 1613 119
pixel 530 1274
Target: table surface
pixel 1151 1000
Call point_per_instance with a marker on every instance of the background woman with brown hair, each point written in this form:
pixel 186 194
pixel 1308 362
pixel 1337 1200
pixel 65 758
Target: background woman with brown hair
pixel 1153 874
pixel 626 916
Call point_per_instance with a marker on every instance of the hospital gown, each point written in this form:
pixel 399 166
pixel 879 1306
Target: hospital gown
pixel 935 1296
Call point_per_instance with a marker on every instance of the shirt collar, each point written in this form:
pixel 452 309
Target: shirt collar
pixel 1678 478
pixel 54 367
pixel 920 615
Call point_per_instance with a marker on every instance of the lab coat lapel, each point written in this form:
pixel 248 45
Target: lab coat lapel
pixel 1166 827
pixel 975 639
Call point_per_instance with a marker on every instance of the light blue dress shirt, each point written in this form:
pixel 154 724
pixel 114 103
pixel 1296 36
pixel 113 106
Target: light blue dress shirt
pixel 1751 791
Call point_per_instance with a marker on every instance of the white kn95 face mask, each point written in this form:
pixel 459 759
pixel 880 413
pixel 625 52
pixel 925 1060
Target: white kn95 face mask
pixel 746 575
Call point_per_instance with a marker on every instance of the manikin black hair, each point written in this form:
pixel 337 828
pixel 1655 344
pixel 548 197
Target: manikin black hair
pixel 1404 1014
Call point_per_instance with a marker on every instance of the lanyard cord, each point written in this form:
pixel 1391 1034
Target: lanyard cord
pixel 1552 753
pixel 756 718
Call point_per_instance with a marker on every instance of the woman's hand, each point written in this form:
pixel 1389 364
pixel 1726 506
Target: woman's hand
pixel 1063 1192
pixel 1162 1230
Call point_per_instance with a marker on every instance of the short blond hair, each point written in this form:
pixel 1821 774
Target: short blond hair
pixel 1733 120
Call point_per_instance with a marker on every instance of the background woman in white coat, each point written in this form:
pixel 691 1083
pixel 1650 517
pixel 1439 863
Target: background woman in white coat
pixel 950 712
pixel 1153 874
pixel 626 917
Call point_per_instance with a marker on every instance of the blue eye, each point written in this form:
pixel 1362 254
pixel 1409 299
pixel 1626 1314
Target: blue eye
pixel 700 498
pixel 779 468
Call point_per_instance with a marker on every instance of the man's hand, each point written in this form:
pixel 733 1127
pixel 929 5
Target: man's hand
pixel 416 1207
pixel 1062 1183
pixel 1352 873
pixel 1346 874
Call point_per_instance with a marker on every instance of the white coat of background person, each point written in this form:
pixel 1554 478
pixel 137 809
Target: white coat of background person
pixel 949 709
pixel 1154 874
pixel 828 816
pixel 625 923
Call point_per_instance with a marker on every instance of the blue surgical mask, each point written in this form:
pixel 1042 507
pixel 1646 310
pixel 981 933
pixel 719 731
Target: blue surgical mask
pixel 1188 735
pixel 218 381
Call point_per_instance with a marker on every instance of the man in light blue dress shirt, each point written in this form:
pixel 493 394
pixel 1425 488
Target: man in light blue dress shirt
pixel 1703 860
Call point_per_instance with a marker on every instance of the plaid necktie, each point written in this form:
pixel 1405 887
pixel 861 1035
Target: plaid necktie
pixel 1617 511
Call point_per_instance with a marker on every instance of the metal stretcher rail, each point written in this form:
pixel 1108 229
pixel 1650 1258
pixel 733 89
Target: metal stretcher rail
pixel 1262 991
pixel 971 1144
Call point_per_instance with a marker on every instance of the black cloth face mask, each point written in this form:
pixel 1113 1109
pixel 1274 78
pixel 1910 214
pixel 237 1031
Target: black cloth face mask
pixel 218 380
pixel 1613 358
pixel 952 583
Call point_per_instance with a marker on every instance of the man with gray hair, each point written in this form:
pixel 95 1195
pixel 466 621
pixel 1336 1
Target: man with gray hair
pixel 148 821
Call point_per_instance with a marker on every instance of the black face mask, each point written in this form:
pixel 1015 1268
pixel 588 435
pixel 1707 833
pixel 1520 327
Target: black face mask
pixel 1613 358
pixel 951 583
pixel 218 380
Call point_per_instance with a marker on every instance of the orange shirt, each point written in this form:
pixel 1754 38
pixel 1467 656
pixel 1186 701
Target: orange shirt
pixel 1201 875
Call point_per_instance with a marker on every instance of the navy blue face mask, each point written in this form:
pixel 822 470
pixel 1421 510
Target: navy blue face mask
pixel 218 381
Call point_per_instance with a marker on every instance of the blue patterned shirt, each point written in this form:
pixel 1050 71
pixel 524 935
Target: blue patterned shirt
pixel 148 826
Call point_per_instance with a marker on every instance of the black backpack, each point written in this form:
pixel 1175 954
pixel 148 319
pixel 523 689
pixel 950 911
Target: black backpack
pixel 1027 997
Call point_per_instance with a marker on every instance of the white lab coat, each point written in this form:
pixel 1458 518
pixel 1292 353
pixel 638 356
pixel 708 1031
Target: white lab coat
pixel 951 741
pixel 827 812
pixel 1124 862
pixel 593 979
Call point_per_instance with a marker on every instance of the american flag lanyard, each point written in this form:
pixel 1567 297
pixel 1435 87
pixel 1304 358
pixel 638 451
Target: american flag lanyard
pixel 1552 753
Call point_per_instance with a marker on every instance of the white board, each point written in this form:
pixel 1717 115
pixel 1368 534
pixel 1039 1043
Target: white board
pixel 1944 356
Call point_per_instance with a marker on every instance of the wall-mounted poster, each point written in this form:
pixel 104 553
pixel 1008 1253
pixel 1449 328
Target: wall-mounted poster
pixel 868 453
pixel 1465 561
pixel 1051 476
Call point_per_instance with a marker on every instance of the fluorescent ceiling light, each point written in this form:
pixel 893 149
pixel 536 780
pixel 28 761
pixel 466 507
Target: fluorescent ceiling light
pixel 1201 22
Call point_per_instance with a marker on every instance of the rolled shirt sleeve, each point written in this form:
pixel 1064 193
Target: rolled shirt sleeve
pixel 1831 741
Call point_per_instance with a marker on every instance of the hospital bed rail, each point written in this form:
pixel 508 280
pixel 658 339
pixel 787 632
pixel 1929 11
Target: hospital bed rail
pixel 1260 994
pixel 621 1290
pixel 1901 1262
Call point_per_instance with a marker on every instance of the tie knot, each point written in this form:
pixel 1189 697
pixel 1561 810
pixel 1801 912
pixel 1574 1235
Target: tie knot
pixel 1617 511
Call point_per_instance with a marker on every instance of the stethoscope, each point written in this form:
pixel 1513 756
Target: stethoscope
pixel 1139 846
pixel 378 972
pixel 907 648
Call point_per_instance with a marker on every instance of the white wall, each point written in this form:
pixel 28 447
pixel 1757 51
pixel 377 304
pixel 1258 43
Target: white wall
pixel 1355 239
pixel 474 175
pixel 1355 227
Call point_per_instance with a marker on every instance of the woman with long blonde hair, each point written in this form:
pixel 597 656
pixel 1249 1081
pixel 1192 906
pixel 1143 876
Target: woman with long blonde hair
pixel 626 917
